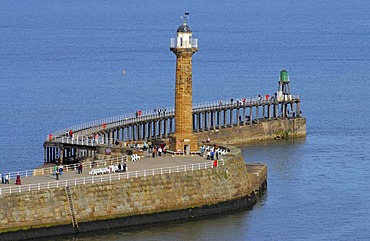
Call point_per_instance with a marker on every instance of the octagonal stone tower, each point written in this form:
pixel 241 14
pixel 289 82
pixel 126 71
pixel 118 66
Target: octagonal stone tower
pixel 184 46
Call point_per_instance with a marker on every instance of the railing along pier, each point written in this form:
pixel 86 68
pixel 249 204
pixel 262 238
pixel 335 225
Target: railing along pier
pixel 81 140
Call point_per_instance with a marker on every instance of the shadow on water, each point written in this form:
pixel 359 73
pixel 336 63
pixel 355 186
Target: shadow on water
pixel 195 229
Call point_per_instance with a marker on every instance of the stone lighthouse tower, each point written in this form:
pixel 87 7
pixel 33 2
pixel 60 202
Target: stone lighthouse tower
pixel 184 46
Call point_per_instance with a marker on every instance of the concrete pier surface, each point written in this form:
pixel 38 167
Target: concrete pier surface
pixel 145 163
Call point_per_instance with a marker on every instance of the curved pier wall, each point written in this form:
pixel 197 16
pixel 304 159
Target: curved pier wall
pixel 133 197
pixel 266 130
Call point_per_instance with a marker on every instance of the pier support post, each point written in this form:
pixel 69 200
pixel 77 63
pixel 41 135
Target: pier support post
pixel 298 109
pixel 251 115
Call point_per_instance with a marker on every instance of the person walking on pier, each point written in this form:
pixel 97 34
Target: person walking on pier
pixel 18 180
pixel 57 174
pixel 202 151
pixel 79 168
pixel 6 181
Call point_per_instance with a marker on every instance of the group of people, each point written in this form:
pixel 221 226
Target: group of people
pixel 5 178
pixel 242 101
pixel 69 133
pixel 122 167
pixel 159 111
pixel 210 154
pixel 157 150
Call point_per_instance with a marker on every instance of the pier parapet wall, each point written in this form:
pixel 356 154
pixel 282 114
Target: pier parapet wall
pixel 268 130
pixel 133 201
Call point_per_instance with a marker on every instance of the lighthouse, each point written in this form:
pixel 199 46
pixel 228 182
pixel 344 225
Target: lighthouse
pixel 184 46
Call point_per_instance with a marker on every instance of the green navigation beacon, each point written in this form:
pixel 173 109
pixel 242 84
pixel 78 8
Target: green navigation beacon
pixel 284 88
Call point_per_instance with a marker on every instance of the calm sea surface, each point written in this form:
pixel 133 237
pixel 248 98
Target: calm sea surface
pixel 61 64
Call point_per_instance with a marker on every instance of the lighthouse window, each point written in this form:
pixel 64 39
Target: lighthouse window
pixel 180 41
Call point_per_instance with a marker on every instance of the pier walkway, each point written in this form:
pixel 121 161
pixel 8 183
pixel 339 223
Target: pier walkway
pixel 81 141
pixel 44 178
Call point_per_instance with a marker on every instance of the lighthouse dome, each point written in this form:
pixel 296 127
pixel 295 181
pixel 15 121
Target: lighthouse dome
pixel 184 28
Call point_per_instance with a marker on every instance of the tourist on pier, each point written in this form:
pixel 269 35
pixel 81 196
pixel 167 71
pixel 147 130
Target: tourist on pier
pixel 202 151
pixel 212 154
pixel 70 133
pixel 154 152
pixel 57 174
pixel 124 167
pixel 209 155
pixel 18 180
pixel 7 178
pixel 60 169
pixel 80 168
pixel 160 151
pixel 145 146
pixel 150 151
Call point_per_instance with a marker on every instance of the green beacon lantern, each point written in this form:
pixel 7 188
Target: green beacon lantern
pixel 284 88
pixel 284 76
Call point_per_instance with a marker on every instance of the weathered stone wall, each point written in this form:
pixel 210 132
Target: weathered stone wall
pixel 127 197
pixel 266 130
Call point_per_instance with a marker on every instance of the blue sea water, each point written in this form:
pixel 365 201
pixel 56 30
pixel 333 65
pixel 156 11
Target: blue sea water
pixel 61 64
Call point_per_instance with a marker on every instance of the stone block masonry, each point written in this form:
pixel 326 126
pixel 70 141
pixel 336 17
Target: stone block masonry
pixel 268 130
pixel 128 202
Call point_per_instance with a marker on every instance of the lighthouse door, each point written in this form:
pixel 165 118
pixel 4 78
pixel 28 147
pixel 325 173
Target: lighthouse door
pixel 187 149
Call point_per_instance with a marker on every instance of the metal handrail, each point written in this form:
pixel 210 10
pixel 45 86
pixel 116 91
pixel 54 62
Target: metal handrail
pixel 66 168
pixel 100 125
pixel 111 177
